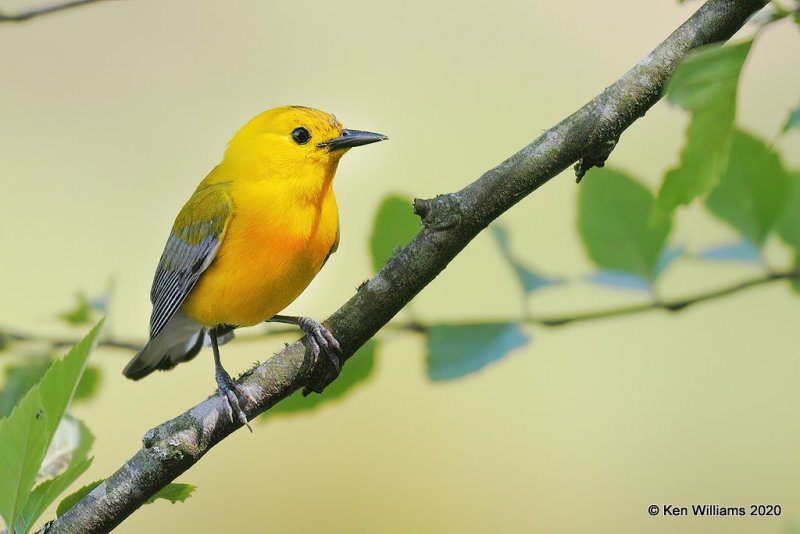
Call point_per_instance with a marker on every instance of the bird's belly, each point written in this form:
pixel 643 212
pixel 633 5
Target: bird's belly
pixel 254 277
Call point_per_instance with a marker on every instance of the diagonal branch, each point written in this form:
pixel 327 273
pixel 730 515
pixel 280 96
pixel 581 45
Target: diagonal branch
pixel 450 222
pixel 39 11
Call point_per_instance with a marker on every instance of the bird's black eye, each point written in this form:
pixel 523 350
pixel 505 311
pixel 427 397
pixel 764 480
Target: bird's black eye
pixel 301 136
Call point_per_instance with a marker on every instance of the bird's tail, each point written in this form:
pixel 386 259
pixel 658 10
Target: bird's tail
pixel 179 341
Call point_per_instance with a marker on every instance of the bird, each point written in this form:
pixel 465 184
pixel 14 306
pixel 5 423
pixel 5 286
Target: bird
pixel 248 241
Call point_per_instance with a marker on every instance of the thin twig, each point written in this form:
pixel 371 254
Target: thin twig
pixel 670 306
pixel 450 222
pixel 37 12
pixel 420 327
pixel 15 335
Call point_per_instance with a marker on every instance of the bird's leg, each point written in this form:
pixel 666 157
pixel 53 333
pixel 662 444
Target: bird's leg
pixel 319 339
pixel 230 390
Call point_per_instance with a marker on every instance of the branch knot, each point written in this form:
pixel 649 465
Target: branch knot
pixel 439 213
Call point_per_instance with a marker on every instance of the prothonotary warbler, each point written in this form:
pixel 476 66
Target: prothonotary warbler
pixel 249 241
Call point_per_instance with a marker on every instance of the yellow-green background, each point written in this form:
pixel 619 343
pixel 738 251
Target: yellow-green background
pixel 111 113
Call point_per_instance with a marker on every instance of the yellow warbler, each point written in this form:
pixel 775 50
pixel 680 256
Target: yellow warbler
pixel 249 241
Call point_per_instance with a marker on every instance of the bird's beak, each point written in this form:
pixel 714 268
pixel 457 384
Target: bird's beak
pixel 351 138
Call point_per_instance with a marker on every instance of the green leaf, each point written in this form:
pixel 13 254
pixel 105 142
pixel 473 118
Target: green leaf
pixel 528 279
pixel 355 373
pixel 456 350
pixel 705 84
pixel 394 227
pixel 753 191
pixel 19 379
pixel 74 498
pixel 793 120
pixel 26 433
pixel 617 225
pixel 707 74
pixel 80 314
pixel 788 226
pixel 174 492
pixel 66 460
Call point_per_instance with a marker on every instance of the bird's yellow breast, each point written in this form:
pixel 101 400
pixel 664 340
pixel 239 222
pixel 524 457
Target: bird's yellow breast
pixel 275 243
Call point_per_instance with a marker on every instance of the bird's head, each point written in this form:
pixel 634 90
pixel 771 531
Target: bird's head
pixel 293 142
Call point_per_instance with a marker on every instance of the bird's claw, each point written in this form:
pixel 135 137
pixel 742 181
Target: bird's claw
pixel 233 392
pixel 319 340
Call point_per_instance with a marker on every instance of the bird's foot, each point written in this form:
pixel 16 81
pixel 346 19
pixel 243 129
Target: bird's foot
pixel 320 340
pixel 234 394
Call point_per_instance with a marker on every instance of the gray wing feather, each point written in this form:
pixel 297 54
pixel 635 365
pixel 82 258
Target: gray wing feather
pixel 189 251
pixel 171 287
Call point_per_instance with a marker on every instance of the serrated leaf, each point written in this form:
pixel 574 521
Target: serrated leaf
pixel 356 372
pixel 617 226
pixel 705 84
pixel 74 498
pixel 456 350
pixel 527 278
pixel 26 433
pixel 19 379
pixel 394 226
pixel 66 460
pixel 788 227
pixel 793 120
pixel 174 493
pixel 753 190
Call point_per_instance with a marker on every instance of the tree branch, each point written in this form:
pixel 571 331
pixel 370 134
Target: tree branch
pixel 417 326
pixel 37 12
pixel 670 306
pixel 450 222
pixel 9 334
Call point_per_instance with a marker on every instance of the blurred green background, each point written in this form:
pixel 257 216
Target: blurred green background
pixel 109 116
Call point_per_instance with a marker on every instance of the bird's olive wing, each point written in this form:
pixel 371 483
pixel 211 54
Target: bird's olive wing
pixel 190 249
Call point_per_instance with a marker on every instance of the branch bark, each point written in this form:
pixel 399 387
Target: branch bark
pixel 451 221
